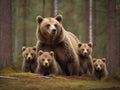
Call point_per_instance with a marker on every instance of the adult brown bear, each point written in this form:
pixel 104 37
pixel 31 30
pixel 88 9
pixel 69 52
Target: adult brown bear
pixel 53 37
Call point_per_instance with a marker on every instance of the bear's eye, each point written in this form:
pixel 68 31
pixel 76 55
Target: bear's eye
pixel 31 54
pixel 48 25
pixel 48 60
pixel 26 54
pixel 100 65
pixel 82 49
pixel 43 59
pixel 55 25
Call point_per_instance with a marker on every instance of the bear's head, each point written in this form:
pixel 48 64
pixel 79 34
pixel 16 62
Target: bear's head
pixel 29 53
pixel 49 29
pixel 99 64
pixel 45 59
pixel 85 49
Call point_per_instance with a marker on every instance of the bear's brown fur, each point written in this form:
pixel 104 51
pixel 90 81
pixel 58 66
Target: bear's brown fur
pixel 85 57
pixel 29 59
pixel 53 37
pixel 100 69
pixel 47 64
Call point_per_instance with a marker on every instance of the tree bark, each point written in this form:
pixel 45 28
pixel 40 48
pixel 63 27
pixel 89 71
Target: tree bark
pixel 24 21
pixel 111 44
pixel 5 33
pixel 53 8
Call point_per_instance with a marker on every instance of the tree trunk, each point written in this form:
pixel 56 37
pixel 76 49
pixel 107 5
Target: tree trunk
pixel 89 20
pixel 5 33
pixel 24 21
pixel 94 22
pixel 53 8
pixel 111 45
pixel 16 27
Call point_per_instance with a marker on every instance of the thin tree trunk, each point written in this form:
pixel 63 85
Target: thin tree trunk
pixel 89 20
pixel 16 27
pixel 5 33
pixel 54 8
pixel 94 22
pixel 24 21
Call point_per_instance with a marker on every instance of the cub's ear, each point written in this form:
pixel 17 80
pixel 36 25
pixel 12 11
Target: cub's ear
pixel 23 48
pixel 104 60
pixel 34 48
pixel 59 18
pixel 94 59
pixel 80 44
pixel 39 19
pixel 51 53
pixel 90 44
pixel 40 52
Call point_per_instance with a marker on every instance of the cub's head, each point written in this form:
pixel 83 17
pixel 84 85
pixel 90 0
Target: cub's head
pixel 45 59
pixel 99 64
pixel 29 53
pixel 85 49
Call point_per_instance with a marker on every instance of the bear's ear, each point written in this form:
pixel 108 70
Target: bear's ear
pixel 80 44
pixel 94 59
pixel 40 52
pixel 34 48
pixel 104 60
pixel 90 44
pixel 59 18
pixel 51 53
pixel 39 19
pixel 23 48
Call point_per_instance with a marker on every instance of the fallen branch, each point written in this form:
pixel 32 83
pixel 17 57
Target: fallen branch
pixel 8 77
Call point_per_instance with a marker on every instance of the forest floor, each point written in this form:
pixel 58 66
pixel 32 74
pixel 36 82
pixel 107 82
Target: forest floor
pixel 11 79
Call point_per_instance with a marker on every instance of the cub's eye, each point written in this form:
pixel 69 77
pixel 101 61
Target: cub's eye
pixel 55 25
pixel 82 49
pixel 26 54
pixel 43 59
pixel 48 25
pixel 31 54
pixel 48 60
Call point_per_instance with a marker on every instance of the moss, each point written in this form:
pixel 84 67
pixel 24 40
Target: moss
pixel 30 81
pixel 117 74
pixel 7 69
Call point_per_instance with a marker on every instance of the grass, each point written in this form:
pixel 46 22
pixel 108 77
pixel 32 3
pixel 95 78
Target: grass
pixel 30 81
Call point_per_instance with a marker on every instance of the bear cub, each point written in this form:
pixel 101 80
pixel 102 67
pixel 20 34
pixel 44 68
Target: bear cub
pixel 47 64
pixel 100 69
pixel 29 59
pixel 85 57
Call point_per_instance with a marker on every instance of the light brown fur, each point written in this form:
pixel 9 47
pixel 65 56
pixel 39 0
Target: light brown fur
pixel 47 64
pixel 100 69
pixel 62 42
pixel 85 57
pixel 29 59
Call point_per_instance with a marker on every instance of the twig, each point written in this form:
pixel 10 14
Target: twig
pixel 8 77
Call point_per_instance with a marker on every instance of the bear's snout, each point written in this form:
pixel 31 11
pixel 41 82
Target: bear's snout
pixel 29 57
pixel 53 31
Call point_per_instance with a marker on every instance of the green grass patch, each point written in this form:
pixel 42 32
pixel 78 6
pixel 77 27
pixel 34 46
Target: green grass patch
pixel 30 81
